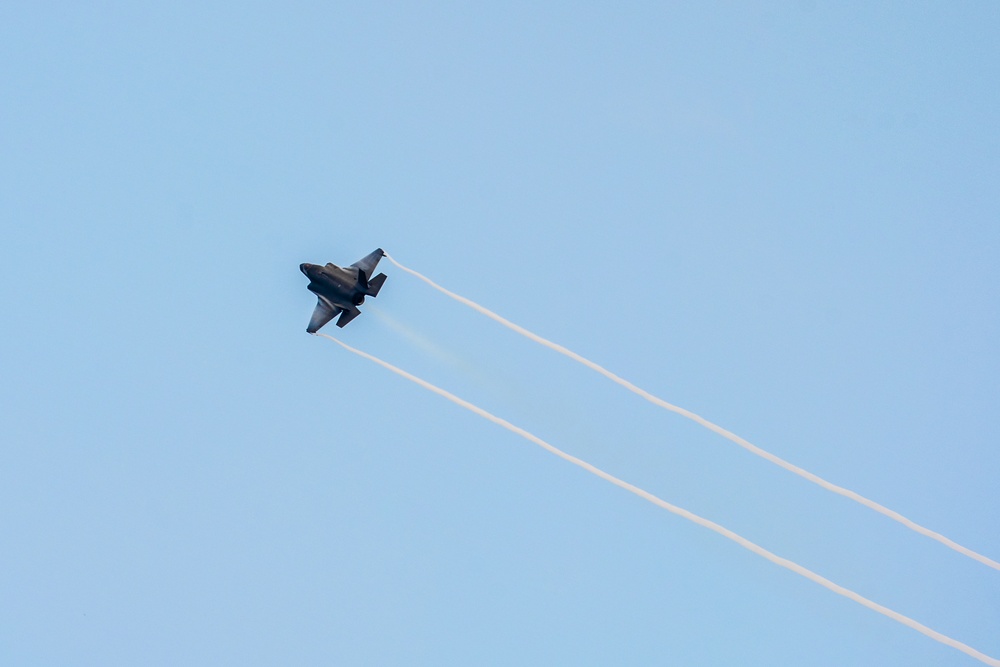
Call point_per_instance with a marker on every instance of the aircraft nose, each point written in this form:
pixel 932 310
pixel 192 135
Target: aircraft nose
pixel 304 268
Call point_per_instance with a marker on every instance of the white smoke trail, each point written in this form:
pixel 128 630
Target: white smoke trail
pixel 815 479
pixel 679 511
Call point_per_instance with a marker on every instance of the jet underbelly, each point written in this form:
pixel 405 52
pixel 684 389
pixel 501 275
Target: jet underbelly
pixel 345 276
pixel 341 293
pixel 339 281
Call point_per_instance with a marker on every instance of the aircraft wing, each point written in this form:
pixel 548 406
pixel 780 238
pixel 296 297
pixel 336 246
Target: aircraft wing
pixel 369 262
pixel 324 313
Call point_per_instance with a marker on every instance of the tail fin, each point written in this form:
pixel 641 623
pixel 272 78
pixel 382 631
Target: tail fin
pixel 375 284
pixel 363 280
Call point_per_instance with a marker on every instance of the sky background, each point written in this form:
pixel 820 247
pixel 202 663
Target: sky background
pixel 782 216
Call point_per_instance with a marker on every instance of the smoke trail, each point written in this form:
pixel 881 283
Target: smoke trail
pixel 679 511
pixel 421 342
pixel 655 400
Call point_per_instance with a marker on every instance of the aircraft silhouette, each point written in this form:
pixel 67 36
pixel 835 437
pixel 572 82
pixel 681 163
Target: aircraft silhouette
pixel 342 289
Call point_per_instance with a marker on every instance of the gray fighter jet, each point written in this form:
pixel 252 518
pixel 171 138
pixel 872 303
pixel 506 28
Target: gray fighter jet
pixel 342 290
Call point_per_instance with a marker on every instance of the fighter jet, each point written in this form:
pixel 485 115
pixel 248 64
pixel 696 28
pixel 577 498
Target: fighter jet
pixel 342 290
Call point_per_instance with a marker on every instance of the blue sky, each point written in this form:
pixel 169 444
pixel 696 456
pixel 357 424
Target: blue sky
pixel 782 216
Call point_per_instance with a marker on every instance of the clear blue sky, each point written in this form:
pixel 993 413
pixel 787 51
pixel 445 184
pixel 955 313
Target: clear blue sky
pixel 783 216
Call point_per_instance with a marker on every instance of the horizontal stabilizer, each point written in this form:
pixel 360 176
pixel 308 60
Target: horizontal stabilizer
pixel 375 284
pixel 347 316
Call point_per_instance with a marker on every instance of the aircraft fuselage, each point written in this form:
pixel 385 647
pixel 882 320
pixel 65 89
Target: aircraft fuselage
pixel 340 286
pixel 340 290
